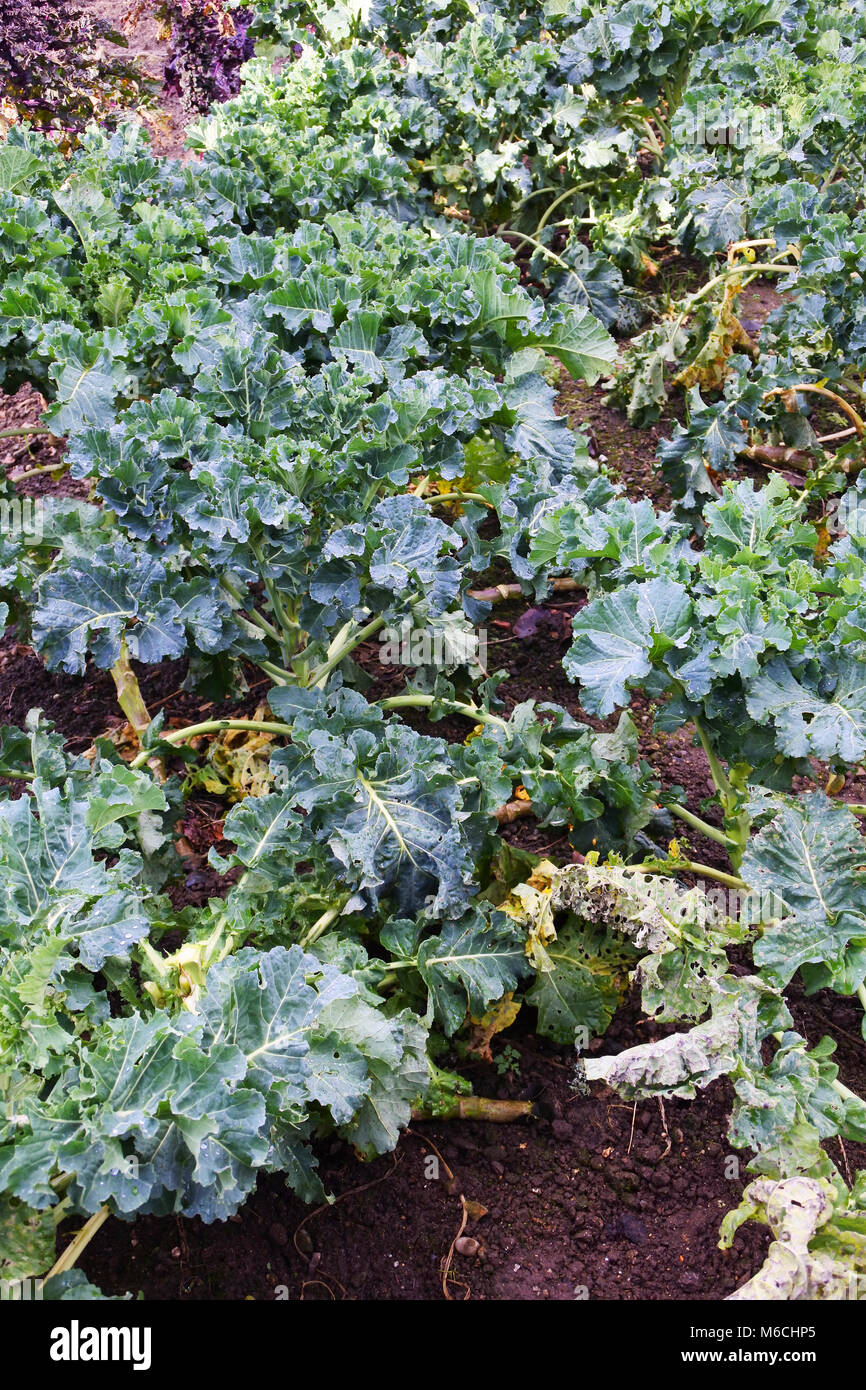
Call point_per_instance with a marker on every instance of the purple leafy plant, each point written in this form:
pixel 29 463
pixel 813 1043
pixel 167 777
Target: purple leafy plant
pixel 209 45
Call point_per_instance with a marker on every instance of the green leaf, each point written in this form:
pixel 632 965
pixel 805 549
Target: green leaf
pixel 17 167
pixel 51 877
pixel 73 1286
pixel 785 1110
pixel 578 986
pixel 807 868
pixel 471 965
pixel 87 375
pixel 357 341
pixel 809 720
pixel 383 799
pixel 616 637
pixel 718 215
pixel 395 1087
pixel 121 594
pixel 90 212
pixel 263 1006
pixel 502 307
pixel 119 792
pixel 583 346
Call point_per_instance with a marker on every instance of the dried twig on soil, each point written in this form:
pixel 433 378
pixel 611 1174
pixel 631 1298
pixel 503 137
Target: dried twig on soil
pixel 308 1284
pixel 429 1142
pixel 665 1135
pixel 446 1263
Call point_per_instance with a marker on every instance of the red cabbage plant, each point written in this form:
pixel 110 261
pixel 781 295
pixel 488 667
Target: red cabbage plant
pixel 209 45
pixel 55 71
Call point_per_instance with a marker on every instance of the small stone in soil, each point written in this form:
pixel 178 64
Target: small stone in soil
pixel 633 1228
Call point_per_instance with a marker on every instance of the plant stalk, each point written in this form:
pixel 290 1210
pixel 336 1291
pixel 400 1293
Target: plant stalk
pixel 436 497
pixel 79 1243
pixel 36 472
pixel 806 388
pixel 753 269
pixel 557 202
pixel 129 695
pixel 215 726
pixel 24 431
pixel 319 677
pixel 502 593
pixel 512 811
pixel 498 1112
pixel 321 925
pixel 479 716
pixel 703 827
pixel 689 866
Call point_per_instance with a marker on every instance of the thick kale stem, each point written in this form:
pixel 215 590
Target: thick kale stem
pixel 480 716
pixel 503 593
pixel 129 695
pixel 731 790
pixel 703 827
pixel 844 1092
pixel 720 777
pixel 321 925
pixel 689 866
pixel 280 676
pixel 215 726
pixel 251 617
pixel 498 1112
pixel 79 1243
pixel 653 141
pixel 260 621
pixel 321 673
pixel 513 810
pixel 288 627
pixel 436 497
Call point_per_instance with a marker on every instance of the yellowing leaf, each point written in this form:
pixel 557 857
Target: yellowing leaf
pixel 494 1021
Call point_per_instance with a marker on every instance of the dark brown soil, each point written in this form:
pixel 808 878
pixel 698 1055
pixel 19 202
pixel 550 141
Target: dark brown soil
pixel 583 1203
pixel 31 452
